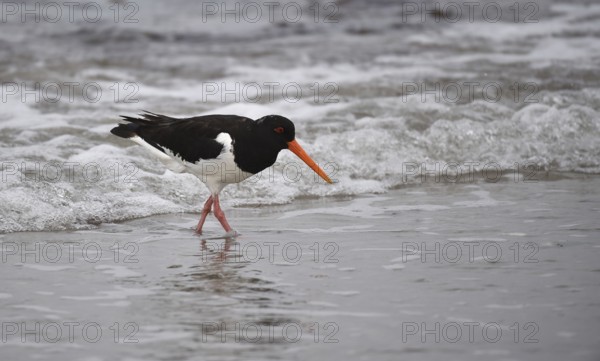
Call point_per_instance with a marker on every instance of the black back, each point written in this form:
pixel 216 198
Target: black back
pixel 255 143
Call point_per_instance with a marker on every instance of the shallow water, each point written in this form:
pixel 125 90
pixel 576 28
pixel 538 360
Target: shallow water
pixel 501 271
pixel 382 101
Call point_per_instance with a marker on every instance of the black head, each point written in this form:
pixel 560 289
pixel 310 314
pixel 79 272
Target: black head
pixel 276 133
pixel 277 130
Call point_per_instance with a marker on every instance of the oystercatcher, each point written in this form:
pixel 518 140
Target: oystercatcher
pixel 218 149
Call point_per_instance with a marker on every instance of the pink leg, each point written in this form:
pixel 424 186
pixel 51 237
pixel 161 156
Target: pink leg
pixel 205 212
pixel 220 215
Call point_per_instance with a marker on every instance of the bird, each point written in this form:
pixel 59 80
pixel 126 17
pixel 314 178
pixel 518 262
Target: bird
pixel 218 149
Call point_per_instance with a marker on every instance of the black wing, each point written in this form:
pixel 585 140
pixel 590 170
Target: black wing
pixel 191 139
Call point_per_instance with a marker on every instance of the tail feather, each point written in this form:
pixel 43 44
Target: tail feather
pixel 125 130
pixel 147 119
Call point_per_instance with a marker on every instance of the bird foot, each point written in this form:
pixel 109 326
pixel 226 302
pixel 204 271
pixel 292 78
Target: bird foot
pixel 232 234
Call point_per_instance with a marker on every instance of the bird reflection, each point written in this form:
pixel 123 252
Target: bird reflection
pixel 223 269
pixel 221 252
pixel 223 282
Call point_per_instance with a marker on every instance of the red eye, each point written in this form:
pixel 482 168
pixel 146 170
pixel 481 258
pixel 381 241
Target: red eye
pixel 278 130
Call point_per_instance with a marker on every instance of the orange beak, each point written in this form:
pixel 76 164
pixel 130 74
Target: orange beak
pixel 297 149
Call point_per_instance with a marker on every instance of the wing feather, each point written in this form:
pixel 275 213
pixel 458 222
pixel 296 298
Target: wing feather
pixel 191 139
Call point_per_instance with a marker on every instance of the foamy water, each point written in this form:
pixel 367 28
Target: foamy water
pixel 367 113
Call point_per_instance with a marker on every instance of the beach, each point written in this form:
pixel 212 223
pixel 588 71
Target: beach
pixel 462 139
pixel 497 270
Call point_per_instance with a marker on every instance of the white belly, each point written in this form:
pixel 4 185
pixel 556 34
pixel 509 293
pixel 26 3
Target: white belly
pixel 215 173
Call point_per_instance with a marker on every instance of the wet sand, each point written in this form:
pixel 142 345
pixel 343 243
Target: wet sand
pixel 468 271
